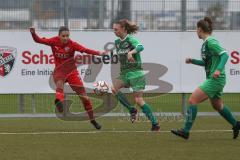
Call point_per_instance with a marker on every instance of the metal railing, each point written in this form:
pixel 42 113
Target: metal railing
pixel 150 15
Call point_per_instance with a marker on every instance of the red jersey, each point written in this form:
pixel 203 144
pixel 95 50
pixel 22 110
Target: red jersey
pixel 64 53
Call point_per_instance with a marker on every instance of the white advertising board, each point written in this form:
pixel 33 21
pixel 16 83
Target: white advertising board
pixel 25 66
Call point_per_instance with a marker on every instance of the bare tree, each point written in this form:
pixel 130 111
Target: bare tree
pixel 124 10
pixel 216 12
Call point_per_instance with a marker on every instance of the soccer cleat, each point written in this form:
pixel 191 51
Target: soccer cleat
pixel 180 133
pixel 236 130
pixel 96 125
pixel 133 115
pixel 155 127
pixel 59 105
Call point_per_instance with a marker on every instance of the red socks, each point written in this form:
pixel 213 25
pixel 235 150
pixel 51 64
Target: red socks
pixel 59 94
pixel 88 107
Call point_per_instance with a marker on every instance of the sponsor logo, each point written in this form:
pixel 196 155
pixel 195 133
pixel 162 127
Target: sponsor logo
pixel 7 59
pixel 45 58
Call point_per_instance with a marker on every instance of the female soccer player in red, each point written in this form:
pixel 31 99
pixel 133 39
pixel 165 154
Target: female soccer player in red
pixel 63 49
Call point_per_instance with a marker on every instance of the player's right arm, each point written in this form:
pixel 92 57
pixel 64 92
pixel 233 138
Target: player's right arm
pixel 37 39
pixel 195 61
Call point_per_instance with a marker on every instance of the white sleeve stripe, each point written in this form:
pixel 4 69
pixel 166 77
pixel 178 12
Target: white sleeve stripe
pixel 222 52
pixel 138 45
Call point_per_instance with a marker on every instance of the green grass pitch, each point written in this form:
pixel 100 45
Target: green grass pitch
pixel 51 138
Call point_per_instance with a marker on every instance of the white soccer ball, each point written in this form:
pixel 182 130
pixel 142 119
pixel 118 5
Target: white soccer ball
pixel 100 87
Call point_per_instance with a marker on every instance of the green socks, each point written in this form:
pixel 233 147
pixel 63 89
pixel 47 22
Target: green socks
pixel 226 114
pixel 192 113
pixel 146 109
pixel 123 100
pixel 190 117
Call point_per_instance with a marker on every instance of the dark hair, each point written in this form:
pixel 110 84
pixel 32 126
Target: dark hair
pixel 206 25
pixel 62 28
pixel 130 27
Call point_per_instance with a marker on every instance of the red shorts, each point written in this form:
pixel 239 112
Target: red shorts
pixel 73 78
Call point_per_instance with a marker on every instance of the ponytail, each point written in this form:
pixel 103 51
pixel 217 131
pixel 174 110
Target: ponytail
pixel 130 27
pixel 206 25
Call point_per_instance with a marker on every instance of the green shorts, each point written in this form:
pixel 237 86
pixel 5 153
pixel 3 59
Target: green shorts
pixel 213 87
pixel 134 79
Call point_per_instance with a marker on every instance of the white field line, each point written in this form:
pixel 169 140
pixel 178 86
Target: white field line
pixel 159 114
pixel 99 132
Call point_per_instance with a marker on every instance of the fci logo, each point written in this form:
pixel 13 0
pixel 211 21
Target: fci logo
pixel 7 59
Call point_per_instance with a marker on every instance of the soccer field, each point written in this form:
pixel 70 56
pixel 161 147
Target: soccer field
pixel 52 52
pixel 51 138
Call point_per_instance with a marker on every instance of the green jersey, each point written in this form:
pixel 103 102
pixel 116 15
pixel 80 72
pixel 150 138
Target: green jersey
pixel 210 52
pixel 123 46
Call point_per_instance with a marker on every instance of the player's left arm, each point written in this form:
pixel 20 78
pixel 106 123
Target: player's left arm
pixel 83 49
pixel 138 47
pixel 223 60
pixel 217 50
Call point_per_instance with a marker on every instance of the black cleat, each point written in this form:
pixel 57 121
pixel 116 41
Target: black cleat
pixel 59 105
pixel 180 133
pixel 236 130
pixel 133 115
pixel 155 127
pixel 96 125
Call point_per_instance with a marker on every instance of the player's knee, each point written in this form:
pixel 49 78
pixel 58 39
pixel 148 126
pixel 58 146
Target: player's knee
pixel 139 101
pixel 192 101
pixel 79 90
pixel 84 98
pixel 114 90
pixel 217 107
pixel 60 84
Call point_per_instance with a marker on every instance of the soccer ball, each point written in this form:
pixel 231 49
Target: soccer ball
pixel 100 88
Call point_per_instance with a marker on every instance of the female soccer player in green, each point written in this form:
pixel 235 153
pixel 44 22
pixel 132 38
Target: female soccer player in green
pixel 214 58
pixel 128 49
